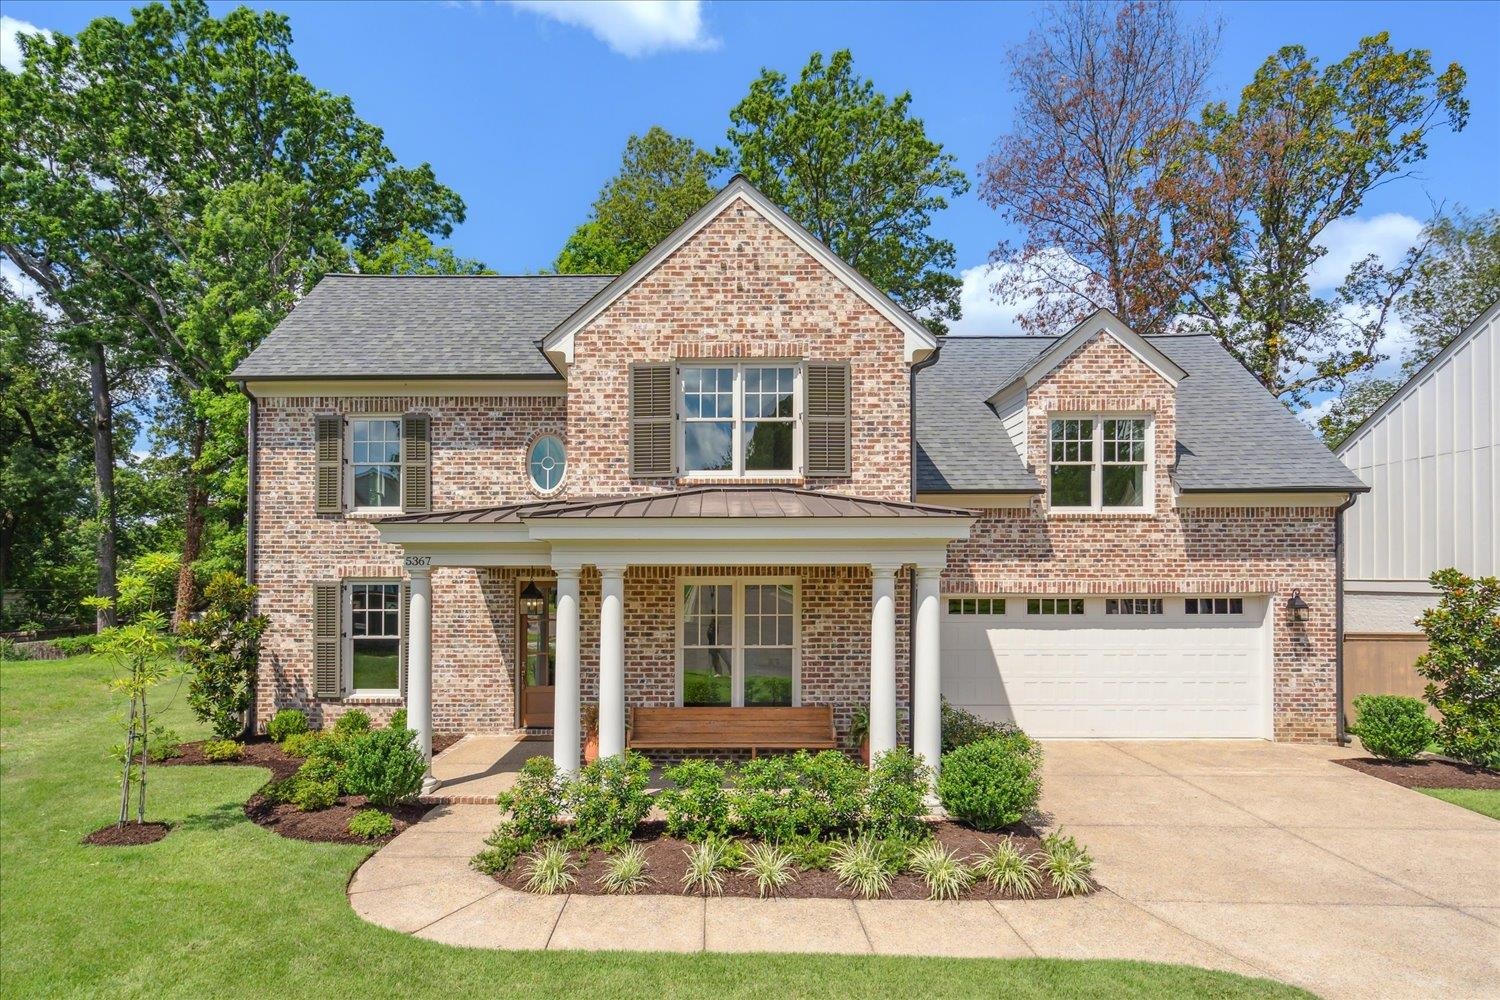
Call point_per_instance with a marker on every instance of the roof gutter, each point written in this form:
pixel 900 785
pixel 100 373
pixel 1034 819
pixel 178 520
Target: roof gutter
pixel 252 468
pixel 911 580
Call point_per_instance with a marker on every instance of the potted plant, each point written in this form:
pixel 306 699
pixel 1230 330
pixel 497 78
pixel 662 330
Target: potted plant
pixel 590 733
pixel 859 732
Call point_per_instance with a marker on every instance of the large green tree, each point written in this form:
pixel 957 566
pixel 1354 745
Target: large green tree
pixel 663 179
pixel 859 171
pixel 1300 150
pixel 172 184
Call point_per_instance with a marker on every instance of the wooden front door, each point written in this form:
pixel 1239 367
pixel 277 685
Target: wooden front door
pixel 538 634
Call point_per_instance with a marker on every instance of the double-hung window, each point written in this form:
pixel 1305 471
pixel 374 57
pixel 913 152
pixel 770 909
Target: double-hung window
pixel 1099 462
pixel 375 455
pixel 739 642
pixel 374 637
pixel 740 420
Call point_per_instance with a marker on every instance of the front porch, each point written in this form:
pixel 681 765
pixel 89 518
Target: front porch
pixel 713 596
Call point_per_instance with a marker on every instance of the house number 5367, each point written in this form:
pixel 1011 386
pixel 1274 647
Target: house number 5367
pixel 418 562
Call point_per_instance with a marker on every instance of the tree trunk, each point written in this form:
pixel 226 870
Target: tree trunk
pixel 104 482
pixel 129 760
pixel 193 520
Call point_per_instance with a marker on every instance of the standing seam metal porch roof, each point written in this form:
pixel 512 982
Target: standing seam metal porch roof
pixel 693 502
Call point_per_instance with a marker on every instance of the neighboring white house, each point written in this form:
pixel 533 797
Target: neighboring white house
pixel 1431 458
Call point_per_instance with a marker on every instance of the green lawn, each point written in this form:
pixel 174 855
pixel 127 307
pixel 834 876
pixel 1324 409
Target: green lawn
pixel 1481 800
pixel 225 908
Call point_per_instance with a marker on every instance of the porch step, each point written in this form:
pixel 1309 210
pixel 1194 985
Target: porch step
pixel 544 735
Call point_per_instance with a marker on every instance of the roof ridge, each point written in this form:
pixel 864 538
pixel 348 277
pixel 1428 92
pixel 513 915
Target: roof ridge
pixel 358 274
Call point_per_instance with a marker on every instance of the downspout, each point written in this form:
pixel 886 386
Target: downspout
pixel 1340 736
pixel 250 498
pixel 911 578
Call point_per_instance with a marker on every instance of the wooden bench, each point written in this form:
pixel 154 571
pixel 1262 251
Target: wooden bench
pixel 809 727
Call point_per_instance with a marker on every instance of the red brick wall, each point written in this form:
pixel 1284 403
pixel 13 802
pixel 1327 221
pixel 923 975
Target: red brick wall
pixel 1260 550
pixel 479 449
pixel 740 288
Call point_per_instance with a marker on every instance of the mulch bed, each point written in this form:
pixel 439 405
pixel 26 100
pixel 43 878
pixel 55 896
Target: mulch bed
pixel 666 862
pixel 128 835
pixel 1426 772
pixel 324 826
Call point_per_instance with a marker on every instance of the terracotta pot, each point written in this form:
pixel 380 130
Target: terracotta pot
pixel 864 751
pixel 591 749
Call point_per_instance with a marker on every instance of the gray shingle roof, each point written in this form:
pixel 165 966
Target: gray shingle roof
pixel 1232 435
pixel 370 326
pixel 695 501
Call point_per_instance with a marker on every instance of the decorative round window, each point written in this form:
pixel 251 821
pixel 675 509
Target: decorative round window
pixel 547 463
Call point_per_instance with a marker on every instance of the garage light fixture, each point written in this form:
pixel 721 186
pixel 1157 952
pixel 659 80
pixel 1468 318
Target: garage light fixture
pixel 1297 607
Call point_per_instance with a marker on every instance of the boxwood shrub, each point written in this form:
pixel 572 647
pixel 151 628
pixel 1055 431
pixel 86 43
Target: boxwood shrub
pixel 287 722
pixel 384 765
pixel 1392 726
pixel 992 783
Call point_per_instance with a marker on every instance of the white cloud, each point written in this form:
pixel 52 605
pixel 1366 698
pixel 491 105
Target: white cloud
pixel 983 313
pixel 1317 411
pixel 631 27
pixel 1350 240
pixel 10 46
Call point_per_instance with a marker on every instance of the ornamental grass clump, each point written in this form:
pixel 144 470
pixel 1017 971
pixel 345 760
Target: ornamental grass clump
pixel 625 871
pixel 946 876
pixel 549 869
pixel 772 867
pixel 1005 868
pixel 1069 865
pixel 706 863
pixel 861 866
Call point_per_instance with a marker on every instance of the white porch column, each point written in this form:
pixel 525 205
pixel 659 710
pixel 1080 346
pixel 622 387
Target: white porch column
pixel 612 661
pixel 565 720
pixel 419 667
pixel 926 695
pixel 882 660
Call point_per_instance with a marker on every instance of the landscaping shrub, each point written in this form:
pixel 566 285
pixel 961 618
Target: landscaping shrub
pixel 625 871
pixel 608 798
pixel 384 765
pixel 354 722
pixel 1004 867
pixel 993 783
pixel 861 866
pixel 371 824
pixel 310 796
pixel 164 744
pixel 280 791
pixel 549 869
pixel 220 647
pixel 76 645
pixel 771 866
pixel 1392 726
pixel 221 750
pixel 706 864
pixel 779 797
pixel 894 804
pixel 301 744
pixel 287 722
pixel 535 800
pixel 13 651
pixel 962 727
pixel 323 764
pixel 944 872
pixel 696 806
pixel 1069 865
pixel 1462 664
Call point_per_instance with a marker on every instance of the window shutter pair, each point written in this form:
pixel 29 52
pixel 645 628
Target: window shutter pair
pixel 826 424
pixel 416 463
pixel 652 424
pixel 328 639
pixel 826 447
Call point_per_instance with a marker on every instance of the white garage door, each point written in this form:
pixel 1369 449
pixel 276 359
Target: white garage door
pixel 1068 667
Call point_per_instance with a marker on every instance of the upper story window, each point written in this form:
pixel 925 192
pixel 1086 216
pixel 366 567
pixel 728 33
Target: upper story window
pixel 1099 462
pixel 740 420
pixel 546 463
pixel 375 455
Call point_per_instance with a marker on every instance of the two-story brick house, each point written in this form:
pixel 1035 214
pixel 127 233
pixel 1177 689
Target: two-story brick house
pixel 739 476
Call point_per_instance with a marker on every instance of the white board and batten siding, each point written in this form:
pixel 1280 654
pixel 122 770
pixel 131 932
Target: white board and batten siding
pixel 1429 456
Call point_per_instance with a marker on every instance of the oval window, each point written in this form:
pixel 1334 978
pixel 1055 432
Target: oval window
pixel 547 463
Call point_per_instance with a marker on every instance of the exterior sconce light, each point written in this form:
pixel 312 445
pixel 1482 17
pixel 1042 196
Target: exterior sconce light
pixel 532 598
pixel 1298 607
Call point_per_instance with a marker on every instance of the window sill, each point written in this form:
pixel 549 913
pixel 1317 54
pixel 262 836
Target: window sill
pixel 716 479
pixel 1108 515
pixel 372 513
pixel 373 699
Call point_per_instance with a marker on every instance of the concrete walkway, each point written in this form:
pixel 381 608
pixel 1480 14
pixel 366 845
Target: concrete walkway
pixel 1268 860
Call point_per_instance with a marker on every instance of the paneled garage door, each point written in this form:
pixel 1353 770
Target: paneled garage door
pixel 1168 667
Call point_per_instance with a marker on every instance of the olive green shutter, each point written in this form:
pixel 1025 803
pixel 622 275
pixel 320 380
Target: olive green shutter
pixel 651 423
pixel 330 453
pixel 416 463
pixel 405 632
pixel 328 644
pixel 826 433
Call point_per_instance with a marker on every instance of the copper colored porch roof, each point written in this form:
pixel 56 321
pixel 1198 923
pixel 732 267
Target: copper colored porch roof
pixel 697 501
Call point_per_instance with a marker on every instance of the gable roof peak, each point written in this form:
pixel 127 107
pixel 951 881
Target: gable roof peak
pixel 1100 321
pixel 919 342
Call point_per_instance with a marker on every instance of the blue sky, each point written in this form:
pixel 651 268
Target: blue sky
pixel 526 115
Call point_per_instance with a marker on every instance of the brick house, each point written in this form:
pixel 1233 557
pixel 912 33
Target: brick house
pixel 738 483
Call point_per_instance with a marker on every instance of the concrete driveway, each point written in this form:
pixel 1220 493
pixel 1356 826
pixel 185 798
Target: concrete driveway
pixel 1258 858
pixel 1306 871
